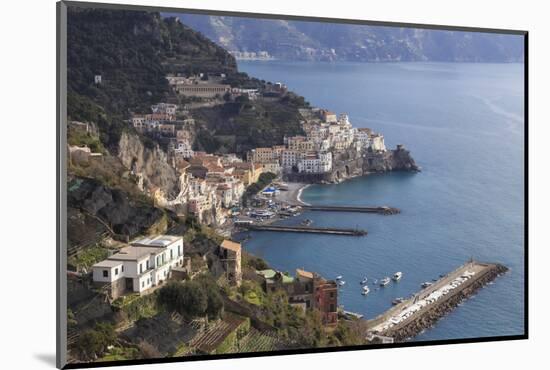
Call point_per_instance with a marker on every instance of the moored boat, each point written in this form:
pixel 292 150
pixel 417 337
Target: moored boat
pixel 385 281
pixel 397 301
pixel 397 276
pixel 426 284
pixel 306 222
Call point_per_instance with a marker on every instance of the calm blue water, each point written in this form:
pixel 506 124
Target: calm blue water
pixel 464 126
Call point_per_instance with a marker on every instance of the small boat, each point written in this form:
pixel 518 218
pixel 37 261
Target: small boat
pixel 365 291
pixel 397 301
pixel 341 282
pixel 306 222
pixel 366 288
pixel 397 276
pixel 364 281
pixel 339 277
pixel 426 284
pixel 385 281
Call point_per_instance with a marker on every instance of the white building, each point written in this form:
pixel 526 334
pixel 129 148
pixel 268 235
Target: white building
pixel 164 108
pixel 362 135
pixel 378 143
pixel 343 120
pixel 143 264
pixel 316 163
pixel 183 149
pixel 289 158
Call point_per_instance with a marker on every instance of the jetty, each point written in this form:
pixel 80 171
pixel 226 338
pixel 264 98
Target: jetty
pixel 307 229
pixel 423 309
pixel 384 210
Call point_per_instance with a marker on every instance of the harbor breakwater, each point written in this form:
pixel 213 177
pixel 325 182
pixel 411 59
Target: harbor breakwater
pixel 427 317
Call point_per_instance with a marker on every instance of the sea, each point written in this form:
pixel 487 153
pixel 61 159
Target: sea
pixel 464 125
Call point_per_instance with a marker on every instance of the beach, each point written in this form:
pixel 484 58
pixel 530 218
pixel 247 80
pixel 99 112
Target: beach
pixel 293 194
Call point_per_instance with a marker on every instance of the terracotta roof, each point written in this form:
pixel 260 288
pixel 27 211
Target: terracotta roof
pixel 245 165
pixel 212 167
pixel 304 273
pixel 228 244
pixel 182 164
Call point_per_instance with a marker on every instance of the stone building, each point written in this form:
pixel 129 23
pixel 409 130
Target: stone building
pixel 307 290
pixel 230 257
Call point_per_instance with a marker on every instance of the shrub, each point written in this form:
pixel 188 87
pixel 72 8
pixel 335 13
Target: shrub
pixel 193 298
pixel 94 342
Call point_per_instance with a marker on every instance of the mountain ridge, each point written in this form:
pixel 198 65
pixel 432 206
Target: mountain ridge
pixel 321 41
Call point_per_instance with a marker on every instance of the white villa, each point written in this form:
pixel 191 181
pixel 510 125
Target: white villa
pixel 143 264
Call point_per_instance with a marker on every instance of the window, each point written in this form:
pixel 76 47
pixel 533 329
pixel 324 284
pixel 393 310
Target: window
pixel 147 264
pixel 143 284
pixel 141 268
pixel 179 250
pixel 331 294
pixel 105 273
pixel 122 268
pixel 171 254
pixel 116 271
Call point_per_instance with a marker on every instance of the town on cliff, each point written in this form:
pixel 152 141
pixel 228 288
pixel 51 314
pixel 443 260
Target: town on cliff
pixel 211 186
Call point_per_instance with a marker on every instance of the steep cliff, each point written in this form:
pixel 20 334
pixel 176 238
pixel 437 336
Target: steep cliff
pixel 116 210
pixel 149 163
pixel 351 164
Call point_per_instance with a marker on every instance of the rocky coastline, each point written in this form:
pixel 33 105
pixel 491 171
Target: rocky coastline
pixel 350 164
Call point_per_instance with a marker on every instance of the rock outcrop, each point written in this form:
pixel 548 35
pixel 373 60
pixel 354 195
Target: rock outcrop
pixel 112 207
pixel 149 163
pixel 399 159
pixel 351 164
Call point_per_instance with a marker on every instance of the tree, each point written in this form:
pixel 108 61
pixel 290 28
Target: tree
pixel 168 295
pixel 242 99
pixel 192 299
pixel 215 303
pixel 214 298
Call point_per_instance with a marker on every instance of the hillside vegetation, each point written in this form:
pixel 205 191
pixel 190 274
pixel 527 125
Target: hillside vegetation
pixel 133 51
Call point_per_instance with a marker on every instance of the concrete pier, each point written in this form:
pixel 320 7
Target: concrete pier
pixel 310 230
pixel 384 210
pixel 409 318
